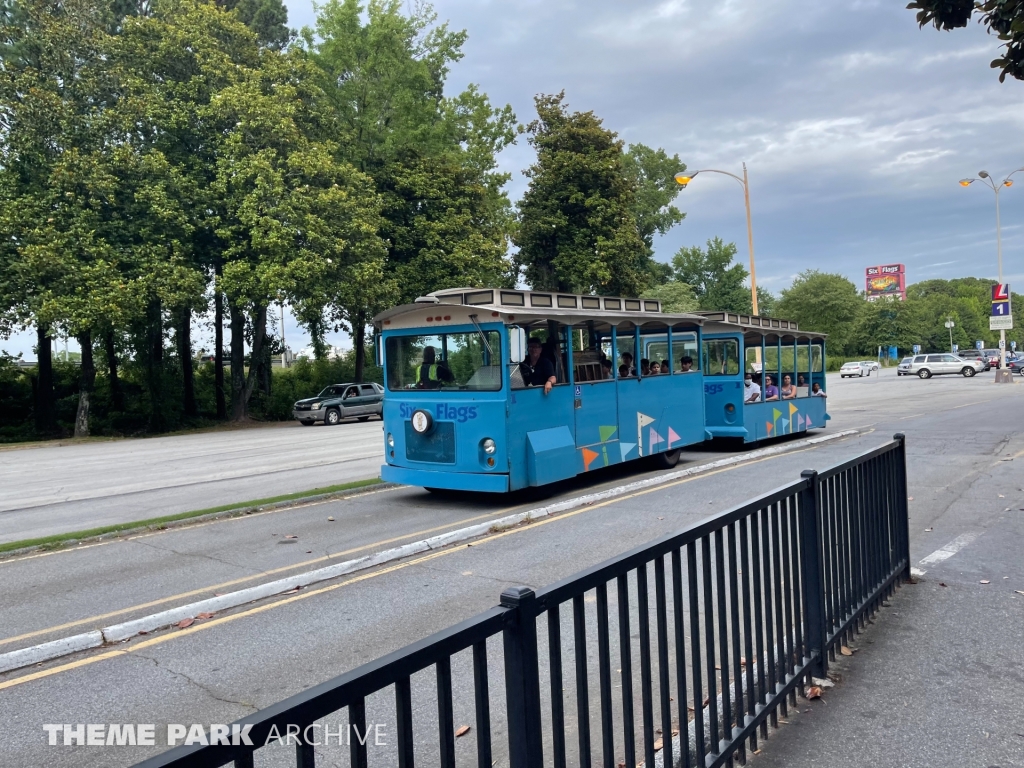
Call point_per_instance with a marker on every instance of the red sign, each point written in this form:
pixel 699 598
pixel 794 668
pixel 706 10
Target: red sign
pixel 888 280
pixel 1001 292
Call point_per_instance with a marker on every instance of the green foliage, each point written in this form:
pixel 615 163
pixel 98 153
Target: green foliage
pixel 1003 18
pixel 578 229
pixel 652 174
pixel 716 281
pixel 824 302
pixel 675 296
pixel 267 18
pixel 767 303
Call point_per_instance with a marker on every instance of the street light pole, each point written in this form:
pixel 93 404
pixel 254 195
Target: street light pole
pixel 685 178
pixel 986 178
pixel 949 325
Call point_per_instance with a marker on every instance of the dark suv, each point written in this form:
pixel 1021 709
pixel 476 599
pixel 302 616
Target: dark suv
pixel 975 354
pixel 341 401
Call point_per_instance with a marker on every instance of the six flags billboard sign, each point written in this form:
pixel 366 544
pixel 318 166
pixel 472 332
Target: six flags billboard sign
pixel 888 281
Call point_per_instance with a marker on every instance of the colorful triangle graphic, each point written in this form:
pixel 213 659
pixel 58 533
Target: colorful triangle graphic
pixel 799 421
pixel 654 439
pixel 792 409
pixel 606 433
pixel 588 458
pixel 625 448
pixel 643 419
pixel 672 437
pixel 775 414
pixel 769 426
pixel 807 421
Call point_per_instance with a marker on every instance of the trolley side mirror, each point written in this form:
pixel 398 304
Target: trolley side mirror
pixel 516 344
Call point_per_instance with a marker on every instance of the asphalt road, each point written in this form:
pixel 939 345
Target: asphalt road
pixel 960 433
pixel 49 489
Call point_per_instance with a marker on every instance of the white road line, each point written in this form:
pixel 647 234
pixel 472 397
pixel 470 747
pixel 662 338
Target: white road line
pixel 946 552
pixel 153 622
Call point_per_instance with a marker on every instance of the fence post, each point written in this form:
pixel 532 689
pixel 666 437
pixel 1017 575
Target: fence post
pixel 813 579
pixel 904 505
pixel 522 678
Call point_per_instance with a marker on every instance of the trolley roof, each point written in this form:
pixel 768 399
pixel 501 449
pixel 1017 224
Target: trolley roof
pixel 456 306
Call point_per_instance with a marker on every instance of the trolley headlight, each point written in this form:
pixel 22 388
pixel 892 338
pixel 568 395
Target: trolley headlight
pixel 422 421
pixel 488 445
pixel 391 440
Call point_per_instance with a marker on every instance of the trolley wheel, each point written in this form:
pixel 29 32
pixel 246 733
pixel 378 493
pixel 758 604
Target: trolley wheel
pixel 668 459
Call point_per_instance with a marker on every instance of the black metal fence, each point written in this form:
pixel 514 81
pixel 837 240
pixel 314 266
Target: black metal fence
pixel 745 607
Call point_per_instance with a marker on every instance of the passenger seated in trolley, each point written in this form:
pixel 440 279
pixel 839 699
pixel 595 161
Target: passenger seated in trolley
pixel 751 390
pixel 666 366
pixel 817 391
pixel 771 392
pixel 788 390
pixel 686 365
pixel 627 360
pixel 536 369
pixel 606 368
pixel 430 373
pixel 655 368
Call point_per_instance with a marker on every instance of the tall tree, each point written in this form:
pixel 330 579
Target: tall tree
pixel 577 225
pixel 652 172
pixel 716 281
pixel 446 218
pixel 824 302
pixel 1003 18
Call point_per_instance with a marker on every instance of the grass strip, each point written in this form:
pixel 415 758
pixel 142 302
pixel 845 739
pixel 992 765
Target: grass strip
pixel 60 538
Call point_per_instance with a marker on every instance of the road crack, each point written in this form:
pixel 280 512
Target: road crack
pixel 205 689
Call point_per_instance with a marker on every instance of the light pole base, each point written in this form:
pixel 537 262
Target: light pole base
pixel 1004 377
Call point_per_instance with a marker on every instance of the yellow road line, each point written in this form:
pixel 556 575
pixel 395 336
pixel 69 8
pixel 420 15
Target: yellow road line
pixel 159 640
pixel 243 579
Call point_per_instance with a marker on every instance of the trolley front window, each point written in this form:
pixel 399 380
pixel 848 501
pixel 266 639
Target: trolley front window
pixel 450 361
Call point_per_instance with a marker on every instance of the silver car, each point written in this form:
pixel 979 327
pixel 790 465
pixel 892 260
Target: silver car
pixel 926 366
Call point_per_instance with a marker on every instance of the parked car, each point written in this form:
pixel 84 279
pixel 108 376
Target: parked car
pixel 926 366
pixel 903 369
pixel 974 354
pixel 871 364
pixel 341 401
pixel 1015 365
pixel 855 369
pixel 992 355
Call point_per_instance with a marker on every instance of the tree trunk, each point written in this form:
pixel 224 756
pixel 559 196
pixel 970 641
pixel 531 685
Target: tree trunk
pixel 87 381
pixel 260 361
pixel 44 380
pixel 154 366
pixel 116 395
pixel 218 355
pixel 183 335
pixel 359 340
pixel 239 401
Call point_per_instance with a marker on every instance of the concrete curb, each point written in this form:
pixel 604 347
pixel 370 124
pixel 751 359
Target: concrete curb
pixel 156 621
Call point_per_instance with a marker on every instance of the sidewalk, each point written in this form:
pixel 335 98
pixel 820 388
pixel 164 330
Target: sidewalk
pixel 937 681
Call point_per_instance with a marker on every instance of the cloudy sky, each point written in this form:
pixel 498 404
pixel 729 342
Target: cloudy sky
pixel 855 125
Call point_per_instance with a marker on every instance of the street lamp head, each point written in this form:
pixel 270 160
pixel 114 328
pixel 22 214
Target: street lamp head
pixel 682 179
pixel 1008 183
pixel 983 174
pixel 966 182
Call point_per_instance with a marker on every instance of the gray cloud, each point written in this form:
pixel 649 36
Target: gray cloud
pixel 855 124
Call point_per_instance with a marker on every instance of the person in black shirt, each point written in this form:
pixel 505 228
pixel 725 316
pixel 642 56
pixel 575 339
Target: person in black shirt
pixel 536 369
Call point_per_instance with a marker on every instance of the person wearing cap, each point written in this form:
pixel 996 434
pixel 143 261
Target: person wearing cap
pixel 751 390
pixel 537 370
pixel 430 374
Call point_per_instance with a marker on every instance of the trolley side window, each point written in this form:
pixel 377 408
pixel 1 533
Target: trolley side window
pixel 721 357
